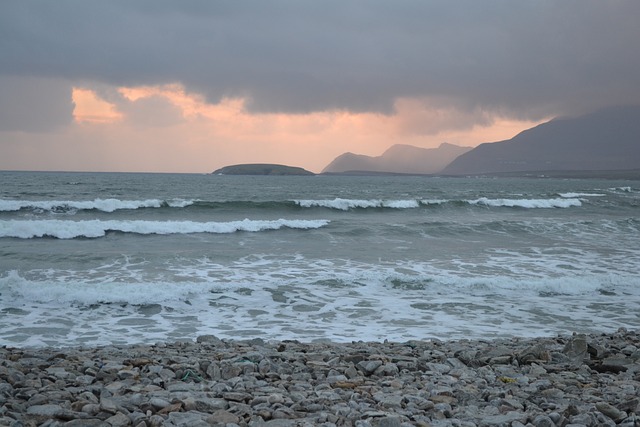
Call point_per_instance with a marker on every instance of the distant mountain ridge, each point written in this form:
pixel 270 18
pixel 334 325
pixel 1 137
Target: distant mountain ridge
pixel 606 140
pixel 398 158
pixel 605 143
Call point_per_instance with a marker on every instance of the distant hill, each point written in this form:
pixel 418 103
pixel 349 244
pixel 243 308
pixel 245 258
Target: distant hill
pixel 261 169
pixel 398 159
pixel 607 140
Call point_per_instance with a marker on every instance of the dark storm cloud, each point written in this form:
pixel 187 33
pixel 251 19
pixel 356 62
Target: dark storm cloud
pixel 527 59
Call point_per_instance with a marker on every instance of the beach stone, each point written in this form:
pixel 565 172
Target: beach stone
pixel 187 419
pixel 137 417
pixel 108 405
pixel 368 367
pixel 630 405
pixel 55 411
pixel 91 422
pixel 222 416
pixel 610 411
pixel 118 420
pixel 91 408
pixel 159 403
pixel 504 419
pixel 543 421
pixel 388 401
pixel 259 422
pixel 387 369
pixel 204 404
pixel 155 421
pixel 173 407
pixel 236 396
pixel 632 421
pixel 387 422
pixel 210 339
pixel 576 349
pixel 228 371
pixel 537 353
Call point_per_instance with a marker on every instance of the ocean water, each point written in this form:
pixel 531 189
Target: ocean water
pixel 99 258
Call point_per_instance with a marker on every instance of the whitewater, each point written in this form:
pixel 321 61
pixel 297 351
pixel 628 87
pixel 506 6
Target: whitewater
pixel 98 258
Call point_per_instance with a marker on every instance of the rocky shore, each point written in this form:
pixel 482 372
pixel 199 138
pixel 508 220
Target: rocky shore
pixel 567 381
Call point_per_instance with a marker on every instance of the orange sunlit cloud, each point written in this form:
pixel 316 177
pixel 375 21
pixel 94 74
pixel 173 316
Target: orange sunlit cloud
pixel 213 135
pixel 89 108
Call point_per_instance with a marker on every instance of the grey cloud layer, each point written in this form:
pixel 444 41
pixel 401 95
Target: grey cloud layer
pixel 527 59
pixel 34 104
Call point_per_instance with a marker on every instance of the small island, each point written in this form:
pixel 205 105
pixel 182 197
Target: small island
pixel 261 169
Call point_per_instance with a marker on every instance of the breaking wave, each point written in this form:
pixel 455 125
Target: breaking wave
pixel 527 203
pixel 348 204
pixel 105 205
pixel 564 200
pixel 574 195
pixel 28 229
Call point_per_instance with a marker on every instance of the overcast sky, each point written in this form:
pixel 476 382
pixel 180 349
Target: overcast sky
pixel 190 86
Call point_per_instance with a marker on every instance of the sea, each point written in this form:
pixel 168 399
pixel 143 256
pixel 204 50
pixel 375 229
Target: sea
pixel 93 259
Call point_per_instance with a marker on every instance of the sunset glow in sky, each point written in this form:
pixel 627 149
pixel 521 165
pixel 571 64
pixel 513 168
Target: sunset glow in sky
pixel 193 86
pixel 212 135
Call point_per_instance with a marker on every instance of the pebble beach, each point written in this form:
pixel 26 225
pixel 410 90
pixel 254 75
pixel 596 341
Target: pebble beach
pixel 574 380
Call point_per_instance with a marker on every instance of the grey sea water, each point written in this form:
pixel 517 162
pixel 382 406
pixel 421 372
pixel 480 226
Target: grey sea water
pixel 97 258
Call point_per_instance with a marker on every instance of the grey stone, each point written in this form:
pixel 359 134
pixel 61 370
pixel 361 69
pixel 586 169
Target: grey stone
pixel 210 339
pixel 55 411
pixel 386 400
pixel 632 421
pixel 118 420
pixel 188 419
pixel 504 419
pixel 369 366
pixel 610 411
pixel 108 405
pixel 51 411
pixel 91 408
pixel 155 421
pixel 222 416
pixel 159 403
pixel 228 370
pixel 387 422
pixel 91 422
pixel 204 404
pixel 576 349
pixel 543 421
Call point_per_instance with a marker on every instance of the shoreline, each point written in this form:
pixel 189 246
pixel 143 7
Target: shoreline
pixel 582 379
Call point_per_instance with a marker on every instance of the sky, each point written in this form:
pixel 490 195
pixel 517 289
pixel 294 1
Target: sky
pixel 194 85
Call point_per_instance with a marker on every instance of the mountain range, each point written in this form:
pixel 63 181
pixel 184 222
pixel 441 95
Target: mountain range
pixel 606 140
pixel 399 158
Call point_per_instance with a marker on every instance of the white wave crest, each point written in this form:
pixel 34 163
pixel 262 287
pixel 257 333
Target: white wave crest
pixel 94 228
pixel 433 201
pixel 575 195
pixel 105 205
pixel 622 189
pixel 527 203
pixel 346 204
